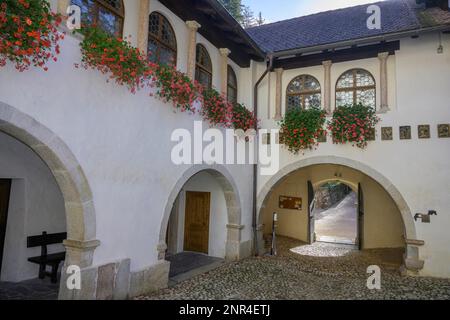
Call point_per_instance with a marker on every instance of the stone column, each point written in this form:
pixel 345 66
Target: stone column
pixel 233 242
pixel 193 26
pixel 224 53
pixel 327 86
pixel 278 93
pixel 144 12
pixel 412 263
pixel 62 7
pixel 383 57
pixel 259 245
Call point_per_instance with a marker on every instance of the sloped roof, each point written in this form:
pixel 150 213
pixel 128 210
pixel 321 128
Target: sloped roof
pixel 342 25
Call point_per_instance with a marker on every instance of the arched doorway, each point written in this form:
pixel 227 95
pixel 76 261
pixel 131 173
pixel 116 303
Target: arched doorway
pixel 319 170
pixel 335 214
pixel 203 215
pixel 69 176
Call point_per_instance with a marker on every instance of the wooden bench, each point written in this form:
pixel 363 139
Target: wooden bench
pixel 44 260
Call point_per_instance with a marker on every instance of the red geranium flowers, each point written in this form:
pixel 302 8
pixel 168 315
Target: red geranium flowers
pixel 28 33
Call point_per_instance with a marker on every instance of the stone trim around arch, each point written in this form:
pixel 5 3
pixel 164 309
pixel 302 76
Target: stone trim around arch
pixel 233 202
pixel 79 205
pixel 412 262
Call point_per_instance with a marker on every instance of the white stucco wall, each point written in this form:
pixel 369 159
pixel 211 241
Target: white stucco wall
pixel 36 205
pixel 419 79
pixel 122 142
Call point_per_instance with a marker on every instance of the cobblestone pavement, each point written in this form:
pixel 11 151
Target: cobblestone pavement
pixel 320 271
pixel 29 290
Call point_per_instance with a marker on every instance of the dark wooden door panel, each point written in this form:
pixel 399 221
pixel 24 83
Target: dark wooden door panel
pixel 196 230
pixel 5 189
pixel 311 218
pixel 360 217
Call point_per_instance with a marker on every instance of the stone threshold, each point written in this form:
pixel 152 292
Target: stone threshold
pixel 195 272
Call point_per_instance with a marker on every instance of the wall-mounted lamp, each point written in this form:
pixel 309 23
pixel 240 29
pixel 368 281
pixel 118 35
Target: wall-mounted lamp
pixel 426 218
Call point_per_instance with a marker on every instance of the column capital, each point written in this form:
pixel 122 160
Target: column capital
pixel 224 52
pixel 193 25
pixel 80 253
pixel 383 55
pixel 279 70
pixel 327 63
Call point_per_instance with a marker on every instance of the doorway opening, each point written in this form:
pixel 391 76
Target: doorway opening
pixel 331 209
pixel 31 204
pixel 335 214
pixel 197 229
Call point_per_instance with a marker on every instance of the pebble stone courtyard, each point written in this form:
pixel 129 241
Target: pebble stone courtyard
pixel 308 272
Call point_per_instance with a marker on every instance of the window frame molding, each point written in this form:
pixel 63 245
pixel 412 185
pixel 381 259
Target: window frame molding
pixel 118 13
pixel 159 41
pixel 229 85
pixel 202 67
pixel 354 89
pixel 302 94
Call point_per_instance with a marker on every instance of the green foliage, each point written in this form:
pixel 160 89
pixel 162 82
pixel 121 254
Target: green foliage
pixel 300 128
pixel 234 7
pixel 354 124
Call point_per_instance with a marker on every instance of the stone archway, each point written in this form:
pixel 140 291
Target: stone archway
pixel 78 200
pixel 233 203
pixel 412 261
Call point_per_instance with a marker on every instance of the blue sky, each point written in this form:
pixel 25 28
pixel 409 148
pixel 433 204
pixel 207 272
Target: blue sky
pixel 275 10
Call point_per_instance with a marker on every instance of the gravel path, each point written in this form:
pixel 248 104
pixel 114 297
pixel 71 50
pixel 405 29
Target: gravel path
pixel 320 271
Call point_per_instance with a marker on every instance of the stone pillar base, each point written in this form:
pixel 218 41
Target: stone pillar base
pixel 106 282
pixel 412 263
pixel 260 247
pixel 149 280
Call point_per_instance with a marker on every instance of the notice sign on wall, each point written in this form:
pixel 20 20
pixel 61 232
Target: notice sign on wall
pixel 291 203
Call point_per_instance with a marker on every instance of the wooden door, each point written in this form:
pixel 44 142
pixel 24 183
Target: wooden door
pixel 360 241
pixel 311 218
pixel 5 189
pixel 196 228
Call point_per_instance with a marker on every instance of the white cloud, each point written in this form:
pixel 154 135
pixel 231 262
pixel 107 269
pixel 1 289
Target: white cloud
pixel 315 6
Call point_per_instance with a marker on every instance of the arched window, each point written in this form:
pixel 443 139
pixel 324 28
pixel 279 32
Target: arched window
pixel 106 14
pixel 356 86
pixel 203 67
pixel 162 44
pixel 303 92
pixel 231 85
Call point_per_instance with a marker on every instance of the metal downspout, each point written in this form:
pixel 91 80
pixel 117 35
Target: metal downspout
pixel 255 166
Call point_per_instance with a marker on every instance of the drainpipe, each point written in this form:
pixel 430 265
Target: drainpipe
pixel 255 166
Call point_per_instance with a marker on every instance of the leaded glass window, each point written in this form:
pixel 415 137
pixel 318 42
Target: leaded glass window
pixel 354 87
pixel 203 67
pixel 231 85
pixel 303 92
pixel 162 43
pixel 105 14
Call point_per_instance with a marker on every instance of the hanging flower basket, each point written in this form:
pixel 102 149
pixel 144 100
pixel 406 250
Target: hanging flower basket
pixel 353 124
pixel 242 118
pixel 28 33
pixel 216 109
pixel 300 129
pixel 175 87
pixel 114 57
